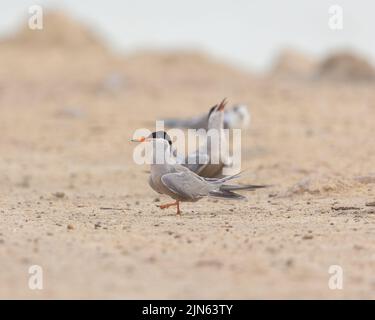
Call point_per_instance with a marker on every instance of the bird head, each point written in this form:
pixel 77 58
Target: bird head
pixel 216 115
pixel 157 135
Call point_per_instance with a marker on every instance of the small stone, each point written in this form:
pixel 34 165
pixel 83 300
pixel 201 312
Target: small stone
pixel 307 237
pixel 272 195
pixel 70 227
pixel 59 194
pixel 289 262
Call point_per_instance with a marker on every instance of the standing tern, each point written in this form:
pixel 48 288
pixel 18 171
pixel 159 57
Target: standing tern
pixel 210 164
pixel 172 179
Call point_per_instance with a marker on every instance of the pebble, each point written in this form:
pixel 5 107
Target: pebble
pixel 289 262
pixel 59 194
pixel 307 237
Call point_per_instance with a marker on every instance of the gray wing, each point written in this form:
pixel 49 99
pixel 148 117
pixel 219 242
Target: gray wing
pixel 187 185
pixel 196 162
pixel 153 185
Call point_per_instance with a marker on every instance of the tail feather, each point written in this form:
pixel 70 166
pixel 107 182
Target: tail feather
pixel 231 187
pixel 226 195
pixel 225 179
pixel 227 187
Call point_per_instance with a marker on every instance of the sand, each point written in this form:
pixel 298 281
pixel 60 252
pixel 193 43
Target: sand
pixel 74 202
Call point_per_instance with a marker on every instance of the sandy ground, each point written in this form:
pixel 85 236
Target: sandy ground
pixel 73 201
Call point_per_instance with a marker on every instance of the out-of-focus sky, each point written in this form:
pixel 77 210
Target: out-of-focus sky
pixel 248 33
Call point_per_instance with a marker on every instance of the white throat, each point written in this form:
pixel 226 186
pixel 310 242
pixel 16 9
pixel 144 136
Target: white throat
pixel 161 152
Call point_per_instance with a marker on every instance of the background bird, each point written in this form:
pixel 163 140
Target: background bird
pixel 237 117
pixel 215 155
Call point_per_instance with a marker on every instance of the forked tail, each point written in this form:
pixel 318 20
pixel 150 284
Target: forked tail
pixel 226 195
pixel 236 187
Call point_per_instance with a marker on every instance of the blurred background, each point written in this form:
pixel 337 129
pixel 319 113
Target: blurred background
pixel 245 33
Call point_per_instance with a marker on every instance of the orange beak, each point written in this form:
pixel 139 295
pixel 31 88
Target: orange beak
pixel 222 105
pixel 141 139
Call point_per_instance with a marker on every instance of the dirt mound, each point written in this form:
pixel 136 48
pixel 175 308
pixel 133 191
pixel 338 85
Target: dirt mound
pixel 293 64
pixel 194 62
pixel 59 31
pixel 185 70
pixel 345 66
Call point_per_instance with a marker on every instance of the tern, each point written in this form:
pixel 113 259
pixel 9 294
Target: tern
pixel 237 117
pixel 210 164
pixel 181 184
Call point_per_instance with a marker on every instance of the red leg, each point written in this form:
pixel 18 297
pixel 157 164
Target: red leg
pixel 178 208
pixel 167 205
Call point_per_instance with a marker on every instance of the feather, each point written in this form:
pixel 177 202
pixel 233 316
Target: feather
pixel 226 195
pixel 231 187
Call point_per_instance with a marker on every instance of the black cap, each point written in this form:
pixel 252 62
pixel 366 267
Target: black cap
pixel 161 135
